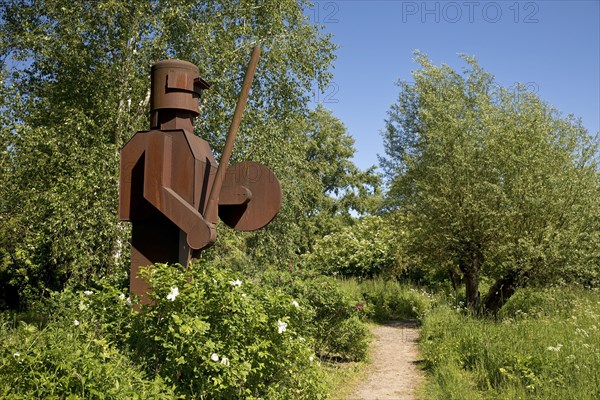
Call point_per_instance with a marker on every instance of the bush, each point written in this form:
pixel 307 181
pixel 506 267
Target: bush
pixel 337 320
pixel 207 334
pixel 366 249
pixel 384 300
pixel 351 340
pixel 216 336
pixel 532 302
pixel 65 360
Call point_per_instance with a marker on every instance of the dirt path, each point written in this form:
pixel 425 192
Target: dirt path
pixel 393 373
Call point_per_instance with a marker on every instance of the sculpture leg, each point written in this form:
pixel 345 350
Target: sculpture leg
pixel 155 241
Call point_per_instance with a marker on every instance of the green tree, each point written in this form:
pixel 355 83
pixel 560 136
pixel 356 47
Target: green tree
pixel 340 189
pixel 323 192
pixel 497 183
pixel 82 72
pixel 370 247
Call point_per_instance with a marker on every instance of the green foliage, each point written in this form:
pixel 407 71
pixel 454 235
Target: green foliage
pixel 74 89
pixel 207 334
pixel 337 322
pixel 221 337
pixel 495 182
pixel 528 354
pixel 540 303
pixel 384 300
pixel 321 187
pixel 341 187
pixel 63 360
pixel 369 247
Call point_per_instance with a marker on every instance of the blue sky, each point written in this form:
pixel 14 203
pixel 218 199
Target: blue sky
pixel 552 46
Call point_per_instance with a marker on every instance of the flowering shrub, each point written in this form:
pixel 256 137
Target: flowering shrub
pixel 208 334
pixel 216 336
pixel 336 321
pixel 369 248
pixel 67 360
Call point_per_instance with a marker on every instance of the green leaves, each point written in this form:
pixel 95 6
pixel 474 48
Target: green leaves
pixel 80 92
pixel 61 360
pixel 209 333
pixel 219 335
pixel 368 248
pixel 492 178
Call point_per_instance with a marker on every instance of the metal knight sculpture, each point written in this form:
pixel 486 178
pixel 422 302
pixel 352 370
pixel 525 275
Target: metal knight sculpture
pixel 171 188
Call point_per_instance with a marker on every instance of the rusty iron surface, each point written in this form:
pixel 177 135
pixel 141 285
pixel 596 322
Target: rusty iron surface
pixel 170 187
pixel 172 180
pixel 175 85
pixel 265 196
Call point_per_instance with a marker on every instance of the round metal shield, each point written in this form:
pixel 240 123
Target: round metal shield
pixel 264 196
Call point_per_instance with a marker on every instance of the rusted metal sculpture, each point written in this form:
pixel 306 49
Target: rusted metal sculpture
pixel 171 187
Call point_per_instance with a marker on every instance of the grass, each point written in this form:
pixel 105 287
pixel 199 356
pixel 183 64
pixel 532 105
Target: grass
pixel 344 377
pixel 385 300
pixel 545 345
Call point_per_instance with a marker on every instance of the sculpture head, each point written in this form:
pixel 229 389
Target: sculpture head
pixel 175 89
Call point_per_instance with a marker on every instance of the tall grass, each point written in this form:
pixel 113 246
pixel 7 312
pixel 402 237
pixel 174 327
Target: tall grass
pixel 384 300
pixel 545 345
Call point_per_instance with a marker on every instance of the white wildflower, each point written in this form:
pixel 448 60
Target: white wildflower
pixel 281 326
pixel 88 292
pixel 295 303
pixel 214 357
pixel 225 361
pixel 244 295
pixel 76 323
pixel 122 296
pixel 582 332
pixel 237 282
pixel 552 348
pixel 311 358
pixel 173 293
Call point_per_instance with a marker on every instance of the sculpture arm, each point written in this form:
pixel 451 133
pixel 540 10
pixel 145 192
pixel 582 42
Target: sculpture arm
pixel 200 233
pixel 158 191
pixel 131 155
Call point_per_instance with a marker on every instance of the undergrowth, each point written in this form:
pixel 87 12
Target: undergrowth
pixel 209 333
pixel 544 345
pixel 384 300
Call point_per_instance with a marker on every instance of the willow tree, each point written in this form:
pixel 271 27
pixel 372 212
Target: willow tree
pixel 497 183
pixel 81 72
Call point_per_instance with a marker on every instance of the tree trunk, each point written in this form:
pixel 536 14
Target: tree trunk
pixel 471 274
pixel 455 279
pixel 500 292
